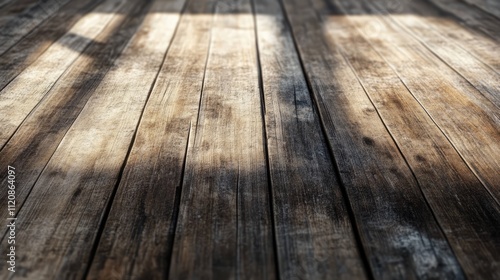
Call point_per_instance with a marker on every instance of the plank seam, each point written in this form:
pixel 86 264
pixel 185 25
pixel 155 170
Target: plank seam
pixel 402 155
pixel 36 27
pixel 265 144
pixel 433 120
pixel 426 46
pixel 109 203
pixel 316 105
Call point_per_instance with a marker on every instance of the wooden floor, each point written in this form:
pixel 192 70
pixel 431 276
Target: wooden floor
pixel 250 139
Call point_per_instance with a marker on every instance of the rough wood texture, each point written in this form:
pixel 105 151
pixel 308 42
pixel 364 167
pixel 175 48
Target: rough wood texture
pixel 225 201
pixel 72 193
pixel 27 89
pixel 148 207
pixel 251 139
pixel 423 145
pixel 27 50
pixel 391 213
pixel 36 139
pixel 315 238
pixel 20 25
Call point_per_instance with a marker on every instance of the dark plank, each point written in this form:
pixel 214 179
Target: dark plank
pixel 27 50
pixel 314 234
pixel 470 16
pixel 489 6
pixel 21 24
pixel 23 93
pixel 146 202
pixel 225 201
pixel 391 214
pixel 71 194
pixel 454 193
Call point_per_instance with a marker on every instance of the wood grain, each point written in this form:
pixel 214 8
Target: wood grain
pixel 224 229
pixel 71 194
pixel 473 70
pixel 439 169
pixel 391 213
pixel 314 234
pixel 36 139
pixel 21 24
pixel 27 50
pixel 146 203
pixel 459 109
pixel 26 90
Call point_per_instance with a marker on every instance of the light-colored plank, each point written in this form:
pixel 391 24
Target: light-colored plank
pixel 439 169
pixel 27 50
pixel 470 124
pixel 71 194
pixel 314 234
pixel 473 70
pixel 391 214
pixel 23 93
pixel 36 139
pixel 224 229
pixel 21 24
pixel 146 202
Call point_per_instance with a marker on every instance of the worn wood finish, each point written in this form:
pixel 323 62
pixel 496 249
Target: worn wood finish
pixel 315 238
pixel 147 198
pixel 465 109
pixel 36 139
pixel 423 145
pixel 29 87
pixel 259 139
pixel 72 193
pixel 27 50
pixel 20 25
pixel 225 202
pixel 475 72
pixel 360 141
pixel 489 6
pixel 470 16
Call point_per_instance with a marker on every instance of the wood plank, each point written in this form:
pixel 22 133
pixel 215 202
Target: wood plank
pixel 470 125
pixel 146 202
pixel 391 214
pixel 36 139
pixel 27 50
pixel 439 169
pixel 489 6
pixel 71 194
pixel 481 46
pixel 21 95
pixel 470 16
pixel 225 201
pixel 315 238
pixel 20 25
pixel 474 71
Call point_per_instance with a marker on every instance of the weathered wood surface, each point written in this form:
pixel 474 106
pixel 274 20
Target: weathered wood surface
pixel 224 203
pixel 29 87
pixel 259 139
pixel 72 193
pixel 423 145
pixel 27 50
pixel 315 239
pixel 18 26
pixel 360 141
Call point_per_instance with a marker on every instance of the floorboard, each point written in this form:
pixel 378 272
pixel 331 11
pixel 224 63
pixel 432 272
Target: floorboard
pixel 250 139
